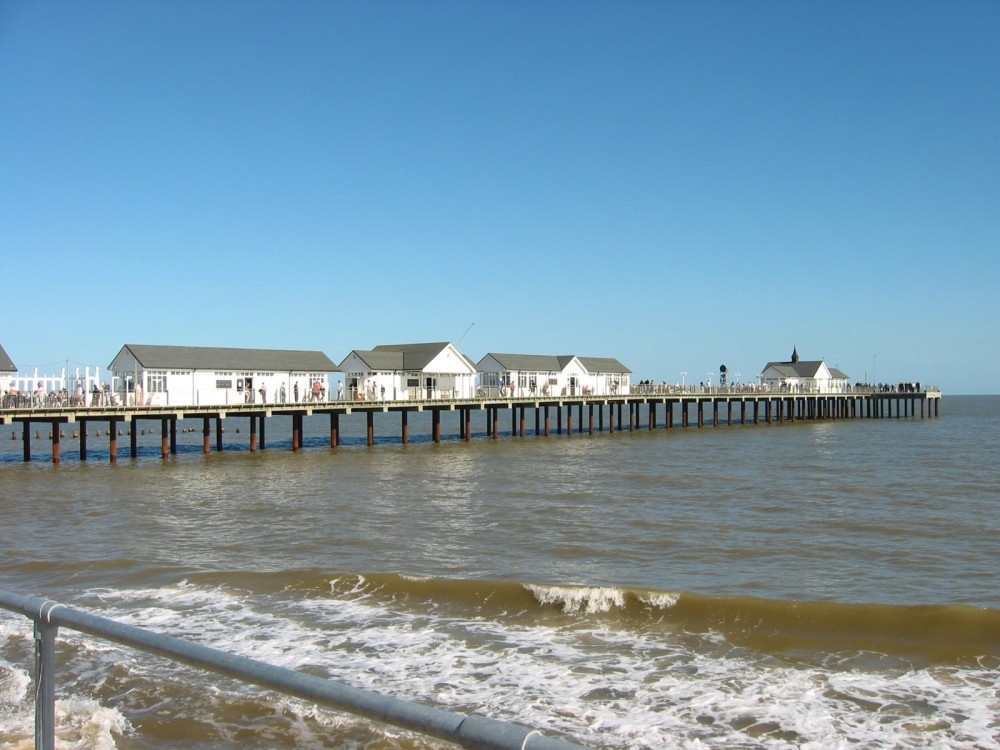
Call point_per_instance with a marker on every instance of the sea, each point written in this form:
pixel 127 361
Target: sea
pixel 816 584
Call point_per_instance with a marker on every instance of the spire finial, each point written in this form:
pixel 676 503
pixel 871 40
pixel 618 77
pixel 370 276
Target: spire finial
pixel 795 355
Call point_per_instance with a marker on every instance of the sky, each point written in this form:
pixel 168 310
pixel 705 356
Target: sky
pixel 678 185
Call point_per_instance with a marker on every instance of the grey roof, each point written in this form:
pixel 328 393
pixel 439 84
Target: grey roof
pixel 798 369
pixel 529 362
pixel 412 356
pixel 603 364
pixel 553 363
pixel 403 357
pixel 840 374
pixel 6 364
pixel 221 358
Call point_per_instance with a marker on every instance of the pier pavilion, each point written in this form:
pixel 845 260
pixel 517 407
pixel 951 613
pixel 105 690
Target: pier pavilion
pixel 812 376
pixel 158 376
pixel 398 372
pixel 552 375
pixel 572 415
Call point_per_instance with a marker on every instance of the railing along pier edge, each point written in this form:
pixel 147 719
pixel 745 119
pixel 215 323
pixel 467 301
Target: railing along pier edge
pixel 465 730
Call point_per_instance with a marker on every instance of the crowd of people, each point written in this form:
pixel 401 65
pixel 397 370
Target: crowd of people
pixel 61 397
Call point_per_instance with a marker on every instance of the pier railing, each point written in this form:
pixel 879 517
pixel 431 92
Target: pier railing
pixel 465 730
pixel 104 400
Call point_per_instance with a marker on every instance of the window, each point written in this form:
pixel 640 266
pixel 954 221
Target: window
pixel 157 381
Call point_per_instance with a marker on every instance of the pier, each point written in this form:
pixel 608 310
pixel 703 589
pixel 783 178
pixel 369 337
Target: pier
pixel 551 416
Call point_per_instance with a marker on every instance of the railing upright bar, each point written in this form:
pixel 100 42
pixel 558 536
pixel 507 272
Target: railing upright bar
pixel 45 685
pixel 466 730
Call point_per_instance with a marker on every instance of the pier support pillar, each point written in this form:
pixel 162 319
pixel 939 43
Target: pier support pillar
pixel 569 420
pixel 218 434
pixel 523 424
pixel 56 452
pixel 652 415
pixel 206 435
pixel 173 436
pixel 496 422
pixel 263 432
pixel 590 415
pixel 133 434
pixel 164 437
pixel 558 420
pixel 468 422
pixel 335 429
pixel 26 440
pixel 113 441
pixel 404 420
pixel 715 412
pixel 436 424
pixel 538 422
pixel 370 431
pixel 701 414
pixel 83 439
pixel 253 434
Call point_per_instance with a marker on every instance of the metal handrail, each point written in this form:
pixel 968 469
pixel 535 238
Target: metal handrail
pixel 465 730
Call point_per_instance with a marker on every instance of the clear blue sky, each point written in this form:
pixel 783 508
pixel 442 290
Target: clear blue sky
pixel 675 184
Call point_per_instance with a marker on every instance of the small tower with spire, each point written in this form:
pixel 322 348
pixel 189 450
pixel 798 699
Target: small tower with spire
pixel 795 355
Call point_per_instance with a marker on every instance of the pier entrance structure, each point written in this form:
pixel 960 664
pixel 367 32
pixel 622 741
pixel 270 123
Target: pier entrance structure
pixel 407 372
pixel 159 376
pixel 544 375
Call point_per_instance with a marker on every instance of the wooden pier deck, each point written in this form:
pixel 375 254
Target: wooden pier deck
pixel 600 413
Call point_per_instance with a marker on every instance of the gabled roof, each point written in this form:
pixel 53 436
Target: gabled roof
pixel 6 364
pixel 838 374
pixel 377 361
pixel 553 363
pixel 404 357
pixel 603 364
pixel 795 369
pixel 153 357
pixel 414 356
pixel 529 362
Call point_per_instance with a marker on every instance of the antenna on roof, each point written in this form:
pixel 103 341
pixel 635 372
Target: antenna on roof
pixel 464 334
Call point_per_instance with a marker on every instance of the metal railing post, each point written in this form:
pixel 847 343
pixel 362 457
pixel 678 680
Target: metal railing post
pixel 45 684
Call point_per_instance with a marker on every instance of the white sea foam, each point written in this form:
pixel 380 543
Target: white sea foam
pixel 585 599
pixel 660 600
pixel 597 683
